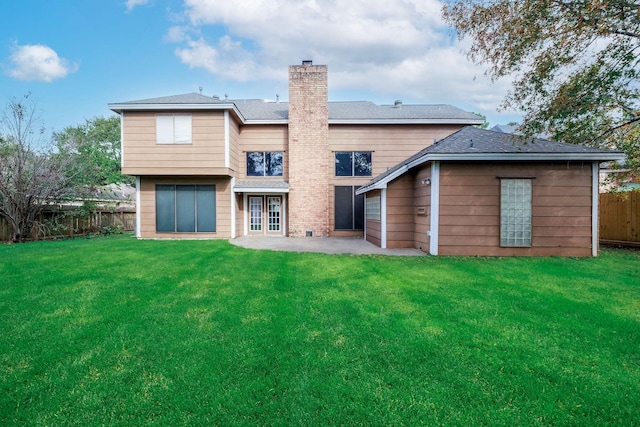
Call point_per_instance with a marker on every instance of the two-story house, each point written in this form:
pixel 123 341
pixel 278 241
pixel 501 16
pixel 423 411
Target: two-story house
pixel 217 168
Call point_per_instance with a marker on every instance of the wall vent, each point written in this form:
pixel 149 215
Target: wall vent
pixel 308 233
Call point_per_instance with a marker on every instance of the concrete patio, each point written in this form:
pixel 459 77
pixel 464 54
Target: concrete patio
pixel 326 245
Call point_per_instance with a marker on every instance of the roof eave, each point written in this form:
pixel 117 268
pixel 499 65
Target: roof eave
pixel 404 122
pixel 260 190
pixel 120 107
pixel 593 157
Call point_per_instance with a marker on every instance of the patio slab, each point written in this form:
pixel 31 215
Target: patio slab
pixel 326 245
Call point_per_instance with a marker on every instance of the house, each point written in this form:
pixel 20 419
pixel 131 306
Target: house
pixel 207 167
pixel 480 192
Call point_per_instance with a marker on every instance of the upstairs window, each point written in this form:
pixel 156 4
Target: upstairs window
pixel 264 163
pixel 173 128
pixel 353 163
pixel 515 212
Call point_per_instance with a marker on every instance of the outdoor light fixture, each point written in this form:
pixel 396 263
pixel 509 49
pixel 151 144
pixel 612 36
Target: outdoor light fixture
pixel 426 181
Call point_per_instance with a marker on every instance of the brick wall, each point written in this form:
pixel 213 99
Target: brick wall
pixel 309 155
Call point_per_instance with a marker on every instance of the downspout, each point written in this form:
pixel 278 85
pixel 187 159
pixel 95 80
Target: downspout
pixel 435 207
pixel 595 192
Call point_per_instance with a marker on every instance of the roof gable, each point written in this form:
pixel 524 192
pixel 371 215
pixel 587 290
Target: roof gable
pixel 475 144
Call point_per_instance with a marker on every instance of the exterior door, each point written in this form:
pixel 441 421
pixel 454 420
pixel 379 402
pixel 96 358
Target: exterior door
pixel 255 215
pixel 271 223
pixel 274 211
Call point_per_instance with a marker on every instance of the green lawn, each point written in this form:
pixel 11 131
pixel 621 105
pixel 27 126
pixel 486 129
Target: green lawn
pixel 116 331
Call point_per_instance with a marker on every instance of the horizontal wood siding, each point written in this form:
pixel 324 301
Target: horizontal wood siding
pixel 400 213
pixel 422 209
pixel 263 138
pixel 389 144
pixel 142 156
pixel 148 206
pixel 235 156
pixel 470 208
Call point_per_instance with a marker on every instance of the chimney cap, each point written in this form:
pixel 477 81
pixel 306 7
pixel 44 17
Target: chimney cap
pixel 307 62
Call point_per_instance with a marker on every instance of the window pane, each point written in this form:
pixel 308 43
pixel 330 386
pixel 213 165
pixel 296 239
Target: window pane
pixel 164 129
pixel 274 163
pixel 182 129
pixel 165 208
pixel 515 215
pixel 362 163
pixel 255 164
pixel 358 211
pixel 206 208
pixel 185 208
pixel 343 207
pixel 344 164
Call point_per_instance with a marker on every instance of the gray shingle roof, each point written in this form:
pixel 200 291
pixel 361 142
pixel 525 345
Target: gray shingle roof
pixel 472 143
pixel 349 111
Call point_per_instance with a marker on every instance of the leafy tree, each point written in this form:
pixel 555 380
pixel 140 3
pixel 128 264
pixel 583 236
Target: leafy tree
pixel 575 64
pixel 484 125
pixel 31 176
pixel 95 148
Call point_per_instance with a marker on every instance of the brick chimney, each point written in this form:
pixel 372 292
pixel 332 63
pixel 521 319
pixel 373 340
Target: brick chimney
pixel 308 150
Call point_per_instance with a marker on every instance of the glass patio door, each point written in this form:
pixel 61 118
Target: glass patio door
pixel 255 215
pixel 271 223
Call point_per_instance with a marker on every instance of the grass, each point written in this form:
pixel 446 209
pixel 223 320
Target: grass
pixel 116 331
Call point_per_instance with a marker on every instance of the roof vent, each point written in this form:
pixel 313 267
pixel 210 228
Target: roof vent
pixel 398 103
pixel 307 62
pixel 215 97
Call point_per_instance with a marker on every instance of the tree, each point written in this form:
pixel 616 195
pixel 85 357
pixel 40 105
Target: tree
pixel 575 65
pixel 95 148
pixel 31 176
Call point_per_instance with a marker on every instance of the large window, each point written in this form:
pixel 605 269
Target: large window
pixel 515 212
pixel 173 128
pixel 186 208
pixel 353 163
pixel 349 208
pixel 264 163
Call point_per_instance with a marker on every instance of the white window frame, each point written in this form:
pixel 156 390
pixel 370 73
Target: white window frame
pixel 515 212
pixel 173 129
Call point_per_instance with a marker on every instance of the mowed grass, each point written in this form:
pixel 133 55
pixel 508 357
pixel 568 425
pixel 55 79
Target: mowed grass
pixel 116 331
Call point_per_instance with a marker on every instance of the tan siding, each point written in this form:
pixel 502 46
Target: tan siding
pixel 263 138
pixel 234 147
pixel 148 206
pixel 142 156
pixel 390 144
pixel 561 214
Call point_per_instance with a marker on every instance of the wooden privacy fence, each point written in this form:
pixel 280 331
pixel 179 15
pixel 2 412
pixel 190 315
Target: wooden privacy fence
pixel 68 222
pixel 620 218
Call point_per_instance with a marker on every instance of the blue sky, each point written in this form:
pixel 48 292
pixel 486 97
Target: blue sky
pixel 75 56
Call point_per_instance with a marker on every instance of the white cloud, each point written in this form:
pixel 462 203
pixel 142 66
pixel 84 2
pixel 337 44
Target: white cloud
pixel 131 4
pixel 399 48
pixel 39 63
